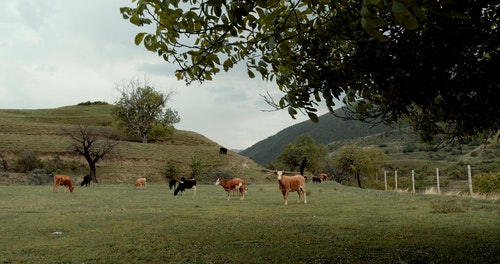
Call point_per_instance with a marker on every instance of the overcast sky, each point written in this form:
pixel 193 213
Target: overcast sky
pixel 56 53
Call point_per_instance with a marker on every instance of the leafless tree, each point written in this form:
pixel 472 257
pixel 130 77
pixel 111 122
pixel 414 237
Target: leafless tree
pixel 92 145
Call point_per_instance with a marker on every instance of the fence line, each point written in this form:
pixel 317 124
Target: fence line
pixel 469 180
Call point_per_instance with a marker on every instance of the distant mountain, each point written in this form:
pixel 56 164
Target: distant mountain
pixel 329 128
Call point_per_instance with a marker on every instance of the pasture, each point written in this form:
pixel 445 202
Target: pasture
pixel 115 223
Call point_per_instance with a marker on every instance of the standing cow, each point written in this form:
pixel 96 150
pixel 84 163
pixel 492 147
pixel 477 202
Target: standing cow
pixel 185 184
pixel 86 181
pixel 288 184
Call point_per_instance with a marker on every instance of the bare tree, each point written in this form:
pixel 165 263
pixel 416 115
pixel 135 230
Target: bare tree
pixel 92 145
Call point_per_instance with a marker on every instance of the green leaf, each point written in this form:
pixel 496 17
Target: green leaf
pixel 313 117
pixel 292 112
pixel 250 74
pixel 139 37
pixel 135 20
pixel 403 16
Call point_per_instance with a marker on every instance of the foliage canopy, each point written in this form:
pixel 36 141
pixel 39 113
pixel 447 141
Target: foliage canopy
pixel 431 63
pixel 305 150
pixel 142 110
pixel 356 162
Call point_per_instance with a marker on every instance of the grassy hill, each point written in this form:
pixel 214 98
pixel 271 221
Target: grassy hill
pixel 42 133
pixel 330 128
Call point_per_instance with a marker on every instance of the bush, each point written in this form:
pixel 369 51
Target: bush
pixel 171 170
pixel 212 175
pixel 487 183
pixel 28 161
pixel 448 206
pixel 92 103
pixel 54 164
pixel 40 177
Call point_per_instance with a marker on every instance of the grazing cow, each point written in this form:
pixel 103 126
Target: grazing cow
pixel 63 180
pixel 141 182
pixel 172 183
pixel 86 181
pixel 185 184
pixel 236 183
pixel 324 176
pixel 316 179
pixel 291 184
pixel 223 150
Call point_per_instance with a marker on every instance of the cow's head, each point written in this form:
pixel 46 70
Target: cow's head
pixel 279 173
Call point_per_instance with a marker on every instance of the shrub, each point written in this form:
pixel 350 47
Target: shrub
pixel 212 175
pixel 487 183
pixel 39 177
pixel 448 206
pixel 54 164
pixel 28 161
pixel 92 103
pixel 171 170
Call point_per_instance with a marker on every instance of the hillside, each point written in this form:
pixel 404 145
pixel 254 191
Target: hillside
pixel 42 132
pixel 330 128
pixel 404 150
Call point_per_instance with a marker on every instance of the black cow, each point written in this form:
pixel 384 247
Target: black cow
pixel 172 183
pixel 223 150
pixel 185 184
pixel 316 179
pixel 86 181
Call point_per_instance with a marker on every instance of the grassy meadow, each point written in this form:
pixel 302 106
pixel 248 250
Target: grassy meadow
pixel 115 223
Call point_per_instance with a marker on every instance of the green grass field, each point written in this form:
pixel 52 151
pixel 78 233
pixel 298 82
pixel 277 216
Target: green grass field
pixel 115 223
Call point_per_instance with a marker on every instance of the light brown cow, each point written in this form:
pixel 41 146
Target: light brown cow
pixel 141 182
pixel 291 184
pixel 63 180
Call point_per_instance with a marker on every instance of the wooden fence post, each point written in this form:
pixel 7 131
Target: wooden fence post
pixel 469 173
pixel 395 180
pixel 385 179
pixel 437 177
pixel 412 181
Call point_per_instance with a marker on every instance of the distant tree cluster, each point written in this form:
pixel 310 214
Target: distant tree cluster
pixel 92 103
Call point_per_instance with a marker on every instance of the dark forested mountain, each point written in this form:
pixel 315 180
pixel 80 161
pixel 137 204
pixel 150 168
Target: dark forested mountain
pixel 329 128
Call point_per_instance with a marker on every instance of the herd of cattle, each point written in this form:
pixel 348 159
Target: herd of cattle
pixel 287 184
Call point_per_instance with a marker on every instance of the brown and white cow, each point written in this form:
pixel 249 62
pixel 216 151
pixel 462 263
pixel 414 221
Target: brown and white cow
pixel 233 184
pixel 64 181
